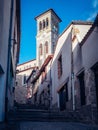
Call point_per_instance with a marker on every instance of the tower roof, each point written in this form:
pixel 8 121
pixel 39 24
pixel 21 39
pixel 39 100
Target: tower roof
pixel 49 10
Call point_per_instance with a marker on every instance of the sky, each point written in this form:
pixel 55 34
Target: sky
pixel 67 10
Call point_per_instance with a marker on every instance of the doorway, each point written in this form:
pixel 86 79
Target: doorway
pixel 63 97
pixel 82 88
pixel 95 69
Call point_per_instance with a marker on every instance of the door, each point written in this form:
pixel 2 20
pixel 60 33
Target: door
pixel 96 82
pixel 82 89
pixel 62 99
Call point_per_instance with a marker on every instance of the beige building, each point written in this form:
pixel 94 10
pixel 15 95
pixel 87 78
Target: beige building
pixel 9 52
pixel 21 89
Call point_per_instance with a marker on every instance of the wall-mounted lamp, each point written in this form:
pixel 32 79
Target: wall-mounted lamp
pixel 14 41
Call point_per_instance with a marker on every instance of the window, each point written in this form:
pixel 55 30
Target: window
pixel 53 47
pixel 40 26
pixel 16 83
pixel 47 22
pixel 60 66
pixel 40 49
pixel 24 79
pixel 43 24
pixel 46 47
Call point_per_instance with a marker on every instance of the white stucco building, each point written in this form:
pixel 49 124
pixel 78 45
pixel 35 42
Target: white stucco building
pixel 9 52
pixel 62 67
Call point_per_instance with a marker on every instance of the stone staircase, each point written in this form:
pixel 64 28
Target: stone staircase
pixel 40 115
pixel 28 113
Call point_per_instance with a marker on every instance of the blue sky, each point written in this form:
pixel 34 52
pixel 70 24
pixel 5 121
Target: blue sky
pixel 67 10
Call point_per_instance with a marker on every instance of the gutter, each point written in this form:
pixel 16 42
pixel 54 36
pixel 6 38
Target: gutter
pixel 8 59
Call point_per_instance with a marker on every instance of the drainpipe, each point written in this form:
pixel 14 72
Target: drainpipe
pixel 50 87
pixel 8 59
pixel 72 76
pixel 73 92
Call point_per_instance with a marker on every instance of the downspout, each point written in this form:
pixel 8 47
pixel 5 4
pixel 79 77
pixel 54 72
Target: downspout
pixel 50 86
pixel 8 59
pixel 72 76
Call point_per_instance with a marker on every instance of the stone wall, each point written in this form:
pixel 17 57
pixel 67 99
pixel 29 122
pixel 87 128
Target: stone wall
pixel 88 112
pixel 21 95
pixel 90 89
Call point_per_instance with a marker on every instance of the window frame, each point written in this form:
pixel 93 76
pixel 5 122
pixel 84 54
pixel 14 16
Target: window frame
pixel 41 49
pixel 46 47
pixel 60 69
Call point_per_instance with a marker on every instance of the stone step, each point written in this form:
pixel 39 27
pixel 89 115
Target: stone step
pixel 28 114
pixel 41 115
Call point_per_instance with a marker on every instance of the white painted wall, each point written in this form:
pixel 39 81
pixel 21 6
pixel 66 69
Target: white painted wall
pixel 90 49
pixel 4 31
pixel 63 48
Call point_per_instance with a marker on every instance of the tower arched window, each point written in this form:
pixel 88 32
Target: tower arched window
pixel 43 24
pixel 47 22
pixel 40 25
pixel 46 47
pixel 40 49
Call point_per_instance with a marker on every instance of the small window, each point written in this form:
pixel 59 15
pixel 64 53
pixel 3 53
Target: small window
pixel 40 49
pixel 53 47
pixel 16 83
pixel 46 47
pixel 43 24
pixel 24 79
pixel 40 26
pixel 47 22
pixel 60 66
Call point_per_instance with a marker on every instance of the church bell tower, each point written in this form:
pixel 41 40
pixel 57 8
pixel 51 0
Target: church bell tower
pixel 47 34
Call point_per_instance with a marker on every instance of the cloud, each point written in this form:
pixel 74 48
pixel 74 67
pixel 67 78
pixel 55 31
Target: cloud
pixel 95 3
pixel 92 16
pixel 93 13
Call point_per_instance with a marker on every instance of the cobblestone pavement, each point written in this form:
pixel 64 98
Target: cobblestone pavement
pixel 56 126
pixel 27 125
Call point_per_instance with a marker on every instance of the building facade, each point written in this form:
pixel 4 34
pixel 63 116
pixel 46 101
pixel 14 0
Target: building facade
pixel 62 65
pixel 9 52
pixel 41 84
pixel 22 91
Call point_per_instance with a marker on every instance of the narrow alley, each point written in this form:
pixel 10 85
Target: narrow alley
pixel 48 65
